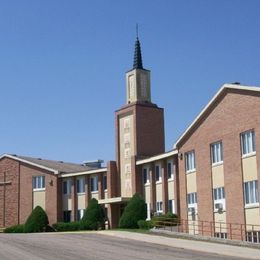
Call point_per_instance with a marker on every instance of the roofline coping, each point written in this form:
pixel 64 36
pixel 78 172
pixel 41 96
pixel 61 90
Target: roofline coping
pixel 222 89
pixel 157 157
pixel 64 175
pixel 28 162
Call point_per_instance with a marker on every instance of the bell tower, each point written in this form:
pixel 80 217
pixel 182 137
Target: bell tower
pixel 138 79
pixel 139 127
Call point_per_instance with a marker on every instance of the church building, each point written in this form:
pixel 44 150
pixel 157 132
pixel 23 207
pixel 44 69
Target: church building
pixel 209 178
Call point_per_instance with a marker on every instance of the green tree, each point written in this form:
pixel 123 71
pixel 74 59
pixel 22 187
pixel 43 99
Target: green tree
pixel 37 221
pixel 134 211
pixel 94 217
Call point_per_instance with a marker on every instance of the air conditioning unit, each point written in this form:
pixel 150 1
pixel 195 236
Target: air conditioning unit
pixel 219 207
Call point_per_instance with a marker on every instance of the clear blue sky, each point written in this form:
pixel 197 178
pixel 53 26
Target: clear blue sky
pixel 63 64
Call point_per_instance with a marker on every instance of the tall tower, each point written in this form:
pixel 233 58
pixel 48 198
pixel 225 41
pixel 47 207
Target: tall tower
pixel 139 127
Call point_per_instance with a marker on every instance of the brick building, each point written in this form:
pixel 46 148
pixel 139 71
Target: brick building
pixel 210 178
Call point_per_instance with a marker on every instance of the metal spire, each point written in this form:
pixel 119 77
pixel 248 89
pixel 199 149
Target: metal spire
pixel 138 64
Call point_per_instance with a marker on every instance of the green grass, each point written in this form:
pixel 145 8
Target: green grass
pixel 135 230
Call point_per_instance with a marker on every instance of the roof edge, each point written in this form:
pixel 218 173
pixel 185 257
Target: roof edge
pixel 211 102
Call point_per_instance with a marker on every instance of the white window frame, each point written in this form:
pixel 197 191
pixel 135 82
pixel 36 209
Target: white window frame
pixel 158 166
pixel 192 200
pixel 38 183
pixel 172 172
pixel 145 169
pixel 219 197
pixel 251 196
pixel 68 186
pixel 95 184
pixel 190 163
pixel 159 206
pixel 248 145
pixel 216 153
pixel 172 202
pixel 80 214
pixel 81 181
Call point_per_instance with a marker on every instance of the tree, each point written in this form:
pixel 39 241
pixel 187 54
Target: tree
pixel 134 211
pixel 94 217
pixel 37 221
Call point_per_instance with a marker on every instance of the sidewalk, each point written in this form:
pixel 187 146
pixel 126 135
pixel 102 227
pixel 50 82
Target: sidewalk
pixel 221 249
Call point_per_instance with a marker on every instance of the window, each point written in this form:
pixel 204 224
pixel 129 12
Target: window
pixel 146 178
pixel 38 182
pixel 80 213
pixel 216 153
pixel 159 208
pixel 127 140
pixel 104 182
pixel 219 193
pixel 171 206
pixel 248 142
pixel 221 235
pixel 253 236
pixel 67 215
pixel 67 187
pixel 190 161
pixel 94 183
pixel 251 192
pixel 192 198
pixel 169 170
pixel 81 185
pixel 158 175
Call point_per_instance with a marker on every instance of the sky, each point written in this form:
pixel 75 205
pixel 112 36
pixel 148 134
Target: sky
pixel 63 64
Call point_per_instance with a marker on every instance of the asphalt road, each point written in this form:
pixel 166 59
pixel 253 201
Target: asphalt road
pixel 89 246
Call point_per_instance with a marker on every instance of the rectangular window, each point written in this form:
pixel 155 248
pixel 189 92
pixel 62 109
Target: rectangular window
pixel 67 215
pixel 80 213
pixel 190 161
pixel 146 178
pixel 94 183
pixel 81 185
pixel 158 175
pixel 248 142
pixel 251 192
pixel 219 193
pixel 159 208
pixel 38 182
pixel 216 153
pixel 104 182
pixel 192 198
pixel 169 170
pixel 67 187
pixel 171 206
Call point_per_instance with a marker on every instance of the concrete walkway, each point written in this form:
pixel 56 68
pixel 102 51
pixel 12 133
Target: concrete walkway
pixel 228 250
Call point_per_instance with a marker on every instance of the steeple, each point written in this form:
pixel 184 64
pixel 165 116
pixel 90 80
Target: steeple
pixel 138 64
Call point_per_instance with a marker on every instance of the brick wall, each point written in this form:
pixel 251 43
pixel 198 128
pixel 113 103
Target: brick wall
pixel 234 112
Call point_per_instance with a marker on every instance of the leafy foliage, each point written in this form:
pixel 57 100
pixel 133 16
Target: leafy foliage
pixel 15 229
pixel 134 211
pixel 66 226
pixel 143 224
pixel 94 217
pixel 37 221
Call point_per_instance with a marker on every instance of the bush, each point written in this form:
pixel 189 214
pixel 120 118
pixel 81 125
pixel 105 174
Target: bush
pixel 168 219
pixel 134 211
pixel 37 221
pixel 15 229
pixel 66 226
pixel 143 224
pixel 94 217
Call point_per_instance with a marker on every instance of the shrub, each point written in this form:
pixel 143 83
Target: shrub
pixel 37 221
pixel 94 217
pixel 145 224
pixel 134 211
pixel 168 219
pixel 66 226
pixel 15 229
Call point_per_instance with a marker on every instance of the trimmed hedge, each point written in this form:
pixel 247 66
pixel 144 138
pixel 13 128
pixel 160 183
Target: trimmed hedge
pixel 66 226
pixel 37 221
pixel 134 211
pixel 14 229
pixel 168 219
pixel 94 217
pixel 145 224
